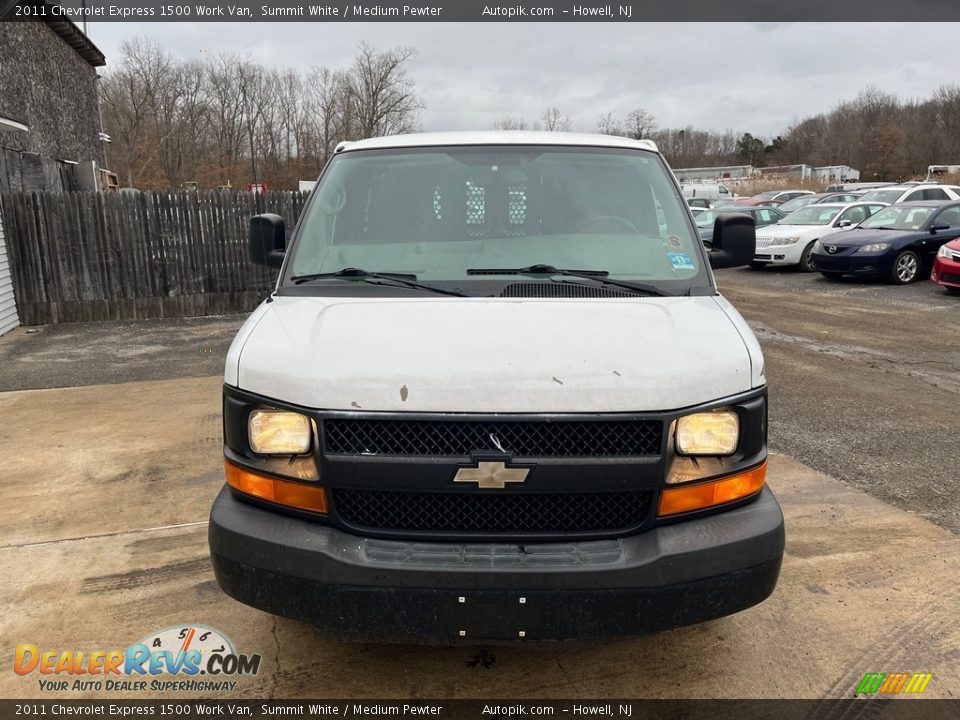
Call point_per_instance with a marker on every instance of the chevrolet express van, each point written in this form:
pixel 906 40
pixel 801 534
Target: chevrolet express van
pixel 496 396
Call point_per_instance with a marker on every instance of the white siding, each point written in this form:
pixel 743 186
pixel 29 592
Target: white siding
pixel 8 307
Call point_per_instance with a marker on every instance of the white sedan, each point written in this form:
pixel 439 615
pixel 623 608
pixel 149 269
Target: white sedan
pixel 790 241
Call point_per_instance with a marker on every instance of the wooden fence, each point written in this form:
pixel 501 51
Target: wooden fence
pixel 114 256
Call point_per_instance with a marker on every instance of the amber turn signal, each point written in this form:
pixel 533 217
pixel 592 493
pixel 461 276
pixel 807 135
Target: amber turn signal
pixel 282 492
pixel 700 496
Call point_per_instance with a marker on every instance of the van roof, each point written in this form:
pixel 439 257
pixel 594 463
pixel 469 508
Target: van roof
pixel 497 137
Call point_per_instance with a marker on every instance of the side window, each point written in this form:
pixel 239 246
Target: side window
pixel 766 216
pixel 916 217
pixel 950 217
pixel 855 215
pixel 934 194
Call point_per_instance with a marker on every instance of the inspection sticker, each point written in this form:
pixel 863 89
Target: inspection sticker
pixel 681 261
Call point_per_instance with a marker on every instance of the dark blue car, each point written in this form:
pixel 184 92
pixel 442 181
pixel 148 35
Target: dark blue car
pixel 899 242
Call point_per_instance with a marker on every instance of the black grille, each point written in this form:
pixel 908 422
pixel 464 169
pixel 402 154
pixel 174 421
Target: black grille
pixel 519 438
pixel 560 290
pixel 492 513
pixel 950 277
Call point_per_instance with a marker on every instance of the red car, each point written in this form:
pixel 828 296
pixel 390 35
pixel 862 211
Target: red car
pixel 946 268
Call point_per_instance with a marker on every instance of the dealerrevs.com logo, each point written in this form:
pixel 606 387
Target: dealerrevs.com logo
pixel 191 658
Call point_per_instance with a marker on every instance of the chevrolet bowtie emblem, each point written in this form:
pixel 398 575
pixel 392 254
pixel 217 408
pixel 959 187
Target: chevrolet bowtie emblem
pixel 491 475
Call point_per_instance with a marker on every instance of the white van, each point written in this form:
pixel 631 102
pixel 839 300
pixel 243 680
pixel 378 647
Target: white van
pixel 496 396
pixel 717 192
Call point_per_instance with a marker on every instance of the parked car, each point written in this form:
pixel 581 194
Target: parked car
pixel 707 190
pixel 401 441
pixel 772 197
pixel 697 211
pixel 898 243
pixel 790 241
pixel 946 267
pixel 705 204
pixel 857 186
pixel 912 192
pixel 762 216
pixel 816 198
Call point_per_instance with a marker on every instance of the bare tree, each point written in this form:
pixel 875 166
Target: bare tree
pixel 607 124
pixel 328 111
pixel 227 115
pixel 130 100
pixel 639 124
pixel 381 92
pixel 553 120
pixel 511 123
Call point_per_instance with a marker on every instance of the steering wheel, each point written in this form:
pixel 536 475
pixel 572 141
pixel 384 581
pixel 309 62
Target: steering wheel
pixel 616 219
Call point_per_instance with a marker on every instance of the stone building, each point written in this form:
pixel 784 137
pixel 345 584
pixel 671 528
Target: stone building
pixel 50 133
pixel 49 109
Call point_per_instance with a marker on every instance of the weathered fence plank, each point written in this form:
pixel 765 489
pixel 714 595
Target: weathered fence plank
pixel 95 256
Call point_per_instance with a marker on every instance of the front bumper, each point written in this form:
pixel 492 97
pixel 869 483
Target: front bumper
pixel 357 588
pixel 872 265
pixel 946 272
pixel 780 254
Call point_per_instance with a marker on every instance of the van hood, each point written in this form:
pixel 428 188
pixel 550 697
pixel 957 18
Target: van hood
pixel 495 355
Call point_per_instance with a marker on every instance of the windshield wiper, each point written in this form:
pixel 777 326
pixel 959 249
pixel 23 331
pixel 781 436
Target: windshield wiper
pixel 377 278
pixel 598 276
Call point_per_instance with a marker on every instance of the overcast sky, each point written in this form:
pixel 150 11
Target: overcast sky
pixel 747 77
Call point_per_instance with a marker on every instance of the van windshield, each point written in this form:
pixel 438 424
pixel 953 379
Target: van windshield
pixel 441 214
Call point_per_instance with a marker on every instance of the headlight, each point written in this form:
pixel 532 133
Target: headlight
pixel 278 432
pixel 785 241
pixel 708 433
pixel 873 247
pixel 944 252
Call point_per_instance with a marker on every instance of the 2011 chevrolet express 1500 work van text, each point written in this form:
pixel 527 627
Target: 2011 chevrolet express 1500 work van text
pixel 496 396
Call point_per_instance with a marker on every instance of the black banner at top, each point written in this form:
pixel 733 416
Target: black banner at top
pixel 622 11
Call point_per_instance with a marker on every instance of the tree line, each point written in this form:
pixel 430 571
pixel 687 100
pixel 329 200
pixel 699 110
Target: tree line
pixel 877 133
pixel 226 119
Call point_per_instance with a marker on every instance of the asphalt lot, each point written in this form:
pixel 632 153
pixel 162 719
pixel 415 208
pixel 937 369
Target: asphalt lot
pixel 864 381
pixel 110 479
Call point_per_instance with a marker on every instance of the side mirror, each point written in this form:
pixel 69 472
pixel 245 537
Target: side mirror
pixel 934 229
pixel 734 241
pixel 267 240
pixel 844 223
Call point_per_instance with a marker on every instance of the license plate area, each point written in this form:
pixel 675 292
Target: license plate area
pixel 498 616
